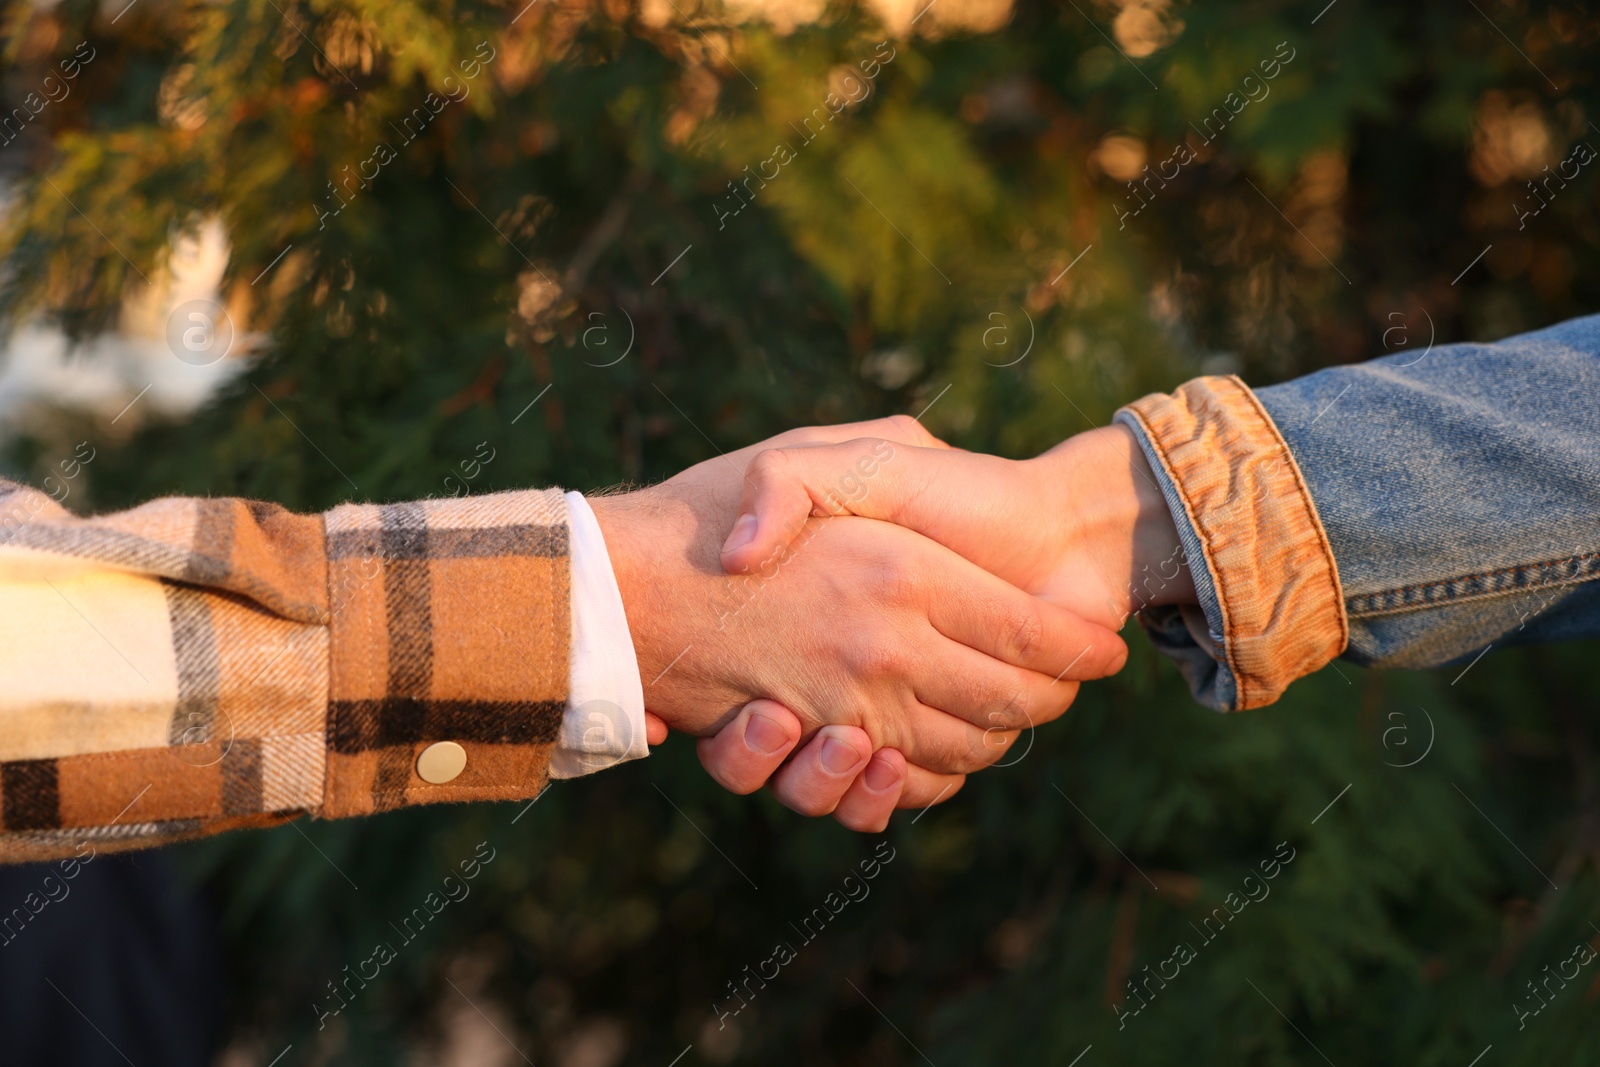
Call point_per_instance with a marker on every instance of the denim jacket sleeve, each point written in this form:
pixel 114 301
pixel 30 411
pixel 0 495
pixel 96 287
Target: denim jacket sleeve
pixel 1413 511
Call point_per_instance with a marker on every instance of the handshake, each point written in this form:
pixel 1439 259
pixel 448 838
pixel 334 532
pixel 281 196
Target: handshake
pixel 861 615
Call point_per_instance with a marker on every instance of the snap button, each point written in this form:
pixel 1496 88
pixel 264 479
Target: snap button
pixel 441 763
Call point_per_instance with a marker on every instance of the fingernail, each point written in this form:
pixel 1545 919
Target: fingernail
pixel 881 775
pixel 838 757
pixel 764 734
pixel 744 531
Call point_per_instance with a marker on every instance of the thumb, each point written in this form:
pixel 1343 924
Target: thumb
pixel 783 487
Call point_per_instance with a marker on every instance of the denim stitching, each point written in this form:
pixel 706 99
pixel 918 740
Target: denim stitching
pixel 1467 587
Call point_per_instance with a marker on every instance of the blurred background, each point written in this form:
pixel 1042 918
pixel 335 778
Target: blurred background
pixel 379 250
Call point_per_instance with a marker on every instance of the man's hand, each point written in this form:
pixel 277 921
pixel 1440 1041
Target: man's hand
pixel 866 624
pixel 1083 526
pixel 861 626
pixel 836 772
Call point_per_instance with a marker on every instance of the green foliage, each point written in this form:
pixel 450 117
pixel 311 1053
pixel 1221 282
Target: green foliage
pixel 919 241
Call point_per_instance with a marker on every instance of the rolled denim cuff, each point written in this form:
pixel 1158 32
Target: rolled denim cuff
pixel 1273 607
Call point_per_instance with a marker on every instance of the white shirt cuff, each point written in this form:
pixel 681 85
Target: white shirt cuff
pixel 604 722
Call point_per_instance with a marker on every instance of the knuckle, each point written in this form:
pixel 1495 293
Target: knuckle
pixel 894 579
pixel 860 822
pixel 737 783
pixel 955 755
pixel 1026 631
pixel 906 429
pixel 811 807
pixel 992 745
pixel 770 464
pixel 979 755
pixel 719 774
pixel 1008 710
pixel 881 661
pixel 729 773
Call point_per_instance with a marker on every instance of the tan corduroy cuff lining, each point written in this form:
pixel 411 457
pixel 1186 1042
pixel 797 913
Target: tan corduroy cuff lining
pixel 1276 581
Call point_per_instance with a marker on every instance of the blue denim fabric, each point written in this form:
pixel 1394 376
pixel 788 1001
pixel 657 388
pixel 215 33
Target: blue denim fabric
pixel 1460 491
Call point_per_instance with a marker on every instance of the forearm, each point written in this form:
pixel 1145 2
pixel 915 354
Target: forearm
pixel 194 665
pixel 1460 492
pixel 1404 512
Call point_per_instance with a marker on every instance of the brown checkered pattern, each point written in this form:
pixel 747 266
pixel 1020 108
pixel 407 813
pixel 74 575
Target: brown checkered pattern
pixel 285 663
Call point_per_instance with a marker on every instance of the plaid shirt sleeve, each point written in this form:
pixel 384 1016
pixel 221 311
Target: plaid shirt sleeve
pixel 195 665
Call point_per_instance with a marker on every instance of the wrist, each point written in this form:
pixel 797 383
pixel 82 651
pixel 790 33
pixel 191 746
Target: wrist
pixel 627 522
pixel 663 543
pixel 1160 573
pixel 1120 539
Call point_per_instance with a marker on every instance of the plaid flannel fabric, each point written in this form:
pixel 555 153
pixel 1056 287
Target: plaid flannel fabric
pixel 194 665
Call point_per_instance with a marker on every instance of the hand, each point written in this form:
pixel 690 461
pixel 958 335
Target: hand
pixel 1083 526
pixel 860 625
pixel 868 624
pixel 837 773
pixel 830 773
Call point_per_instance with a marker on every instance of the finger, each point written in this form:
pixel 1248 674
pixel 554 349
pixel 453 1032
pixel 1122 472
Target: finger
pixel 872 478
pixel 986 692
pixel 655 729
pixel 924 788
pixel 871 798
pixel 902 429
pixel 973 607
pixel 816 779
pixel 945 743
pixel 745 753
